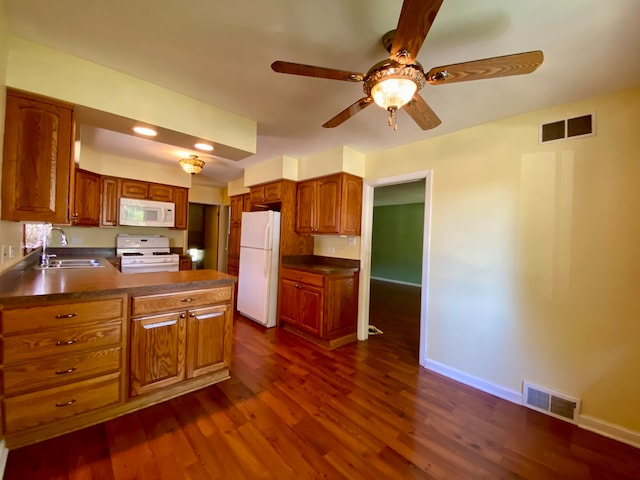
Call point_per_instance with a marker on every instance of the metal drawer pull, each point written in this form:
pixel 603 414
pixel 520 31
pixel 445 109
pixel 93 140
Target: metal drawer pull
pixel 159 324
pixel 68 315
pixel 69 342
pixel 66 404
pixel 210 315
pixel 68 370
pixel 188 300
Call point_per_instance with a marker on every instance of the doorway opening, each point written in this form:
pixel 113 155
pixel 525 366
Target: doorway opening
pixel 207 236
pixel 371 273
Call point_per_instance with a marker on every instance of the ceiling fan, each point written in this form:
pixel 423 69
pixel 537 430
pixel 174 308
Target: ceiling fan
pixel 394 83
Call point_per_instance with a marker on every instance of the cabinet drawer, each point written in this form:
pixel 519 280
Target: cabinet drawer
pixel 51 371
pixel 69 340
pixel 303 277
pixel 39 408
pixel 167 302
pixel 62 315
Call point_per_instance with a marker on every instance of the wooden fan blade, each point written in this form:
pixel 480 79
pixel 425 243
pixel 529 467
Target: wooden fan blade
pixel 421 113
pixel 349 112
pixel 318 72
pixel 416 18
pixel 516 64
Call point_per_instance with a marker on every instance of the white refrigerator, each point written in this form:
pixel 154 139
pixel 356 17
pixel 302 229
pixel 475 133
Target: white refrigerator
pixel 258 275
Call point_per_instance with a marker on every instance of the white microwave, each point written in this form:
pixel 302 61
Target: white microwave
pixel 147 213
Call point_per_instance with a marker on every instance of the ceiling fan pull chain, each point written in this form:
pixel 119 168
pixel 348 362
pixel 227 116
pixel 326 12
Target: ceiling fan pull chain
pixel 393 118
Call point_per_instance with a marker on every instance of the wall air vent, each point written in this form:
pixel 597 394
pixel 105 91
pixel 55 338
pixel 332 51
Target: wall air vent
pixel 550 402
pixel 583 126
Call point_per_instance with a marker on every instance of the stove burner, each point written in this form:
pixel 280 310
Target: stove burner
pixel 131 254
pixel 162 253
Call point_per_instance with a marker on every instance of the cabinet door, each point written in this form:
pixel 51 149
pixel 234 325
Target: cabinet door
pixel 327 201
pixel 305 207
pixel 110 202
pixel 246 204
pixel 234 241
pixel 87 199
pixel 310 314
pixel 37 166
pixel 235 215
pixel 186 264
pixel 208 340
pixel 273 192
pixel 256 194
pixel 157 351
pixel 134 189
pixel 160 193
pixel 181 199
pixel 351 205
pixel 289 302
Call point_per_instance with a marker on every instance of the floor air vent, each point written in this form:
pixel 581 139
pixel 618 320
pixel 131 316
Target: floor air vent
pixel 551 403
pixel 582 126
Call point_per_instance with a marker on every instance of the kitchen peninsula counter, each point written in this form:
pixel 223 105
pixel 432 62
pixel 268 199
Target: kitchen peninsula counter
pixel 24 284
pixel 83 345
pixel 321 265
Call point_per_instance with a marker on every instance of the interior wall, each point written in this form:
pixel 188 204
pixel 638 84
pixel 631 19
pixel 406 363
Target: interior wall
pixel 105 237
pixel 10 232
pixel 534 258
pixel 396 249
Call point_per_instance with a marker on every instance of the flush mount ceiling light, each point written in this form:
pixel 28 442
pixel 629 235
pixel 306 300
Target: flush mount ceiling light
pixel 146 131
pixel 192 165
pixel 205 147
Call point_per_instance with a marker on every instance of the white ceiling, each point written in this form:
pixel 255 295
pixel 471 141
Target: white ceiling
pixel 220 52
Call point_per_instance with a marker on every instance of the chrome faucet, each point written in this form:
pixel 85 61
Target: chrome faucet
pixel 46 233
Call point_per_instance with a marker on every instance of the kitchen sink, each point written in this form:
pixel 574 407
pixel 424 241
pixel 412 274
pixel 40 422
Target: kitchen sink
pixel 71 263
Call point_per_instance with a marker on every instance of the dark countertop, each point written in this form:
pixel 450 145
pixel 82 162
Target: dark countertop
pixel 321 265
pixel 23 284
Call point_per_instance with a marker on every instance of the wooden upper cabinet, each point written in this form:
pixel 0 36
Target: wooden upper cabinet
pixel 181 199
pixel 330 205
pixel 110 201
pixel 237 208
pixel 86 203
pixel 38 166
pixel 161 193
pixel 267 193
pixel 134 189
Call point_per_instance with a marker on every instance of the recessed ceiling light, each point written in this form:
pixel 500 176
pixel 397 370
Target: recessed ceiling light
pixel 146 131
pixel 205 147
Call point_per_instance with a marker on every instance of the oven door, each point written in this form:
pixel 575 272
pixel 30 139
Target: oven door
pixel 149 267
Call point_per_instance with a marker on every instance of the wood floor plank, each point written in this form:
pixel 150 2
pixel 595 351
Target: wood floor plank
pixel 292 410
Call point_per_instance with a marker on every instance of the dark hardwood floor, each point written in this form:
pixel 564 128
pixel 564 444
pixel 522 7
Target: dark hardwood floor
pixel 363 411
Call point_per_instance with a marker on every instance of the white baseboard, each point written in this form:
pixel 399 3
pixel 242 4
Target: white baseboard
pixel 389 280
pixel 475 382
pixel 595 425
pixel 4 455
pixel 610 430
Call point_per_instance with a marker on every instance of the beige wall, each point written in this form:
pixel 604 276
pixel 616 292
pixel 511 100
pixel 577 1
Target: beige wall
pixel 10 232
pixel 534 256
pixel 106 237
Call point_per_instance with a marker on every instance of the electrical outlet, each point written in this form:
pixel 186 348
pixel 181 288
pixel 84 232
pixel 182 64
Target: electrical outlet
pixel 12 251
pixel 331 250
pixel 76 240
pixel 352 241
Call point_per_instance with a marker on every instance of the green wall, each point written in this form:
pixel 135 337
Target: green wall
pixel 396 250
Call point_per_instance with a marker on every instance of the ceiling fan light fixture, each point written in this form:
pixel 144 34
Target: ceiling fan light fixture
pixel 393 92
pixel 192 165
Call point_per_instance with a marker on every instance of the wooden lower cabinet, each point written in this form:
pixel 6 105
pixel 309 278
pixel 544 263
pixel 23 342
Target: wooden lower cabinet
pixel 321 308
pixel 62 362
pixel 157 351
pixel 186 336
pixel 66 365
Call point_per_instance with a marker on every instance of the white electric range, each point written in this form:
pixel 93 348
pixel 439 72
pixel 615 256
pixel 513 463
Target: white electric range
pixel 146 253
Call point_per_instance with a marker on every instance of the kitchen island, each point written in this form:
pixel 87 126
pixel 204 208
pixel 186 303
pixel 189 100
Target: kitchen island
pixel 81 346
